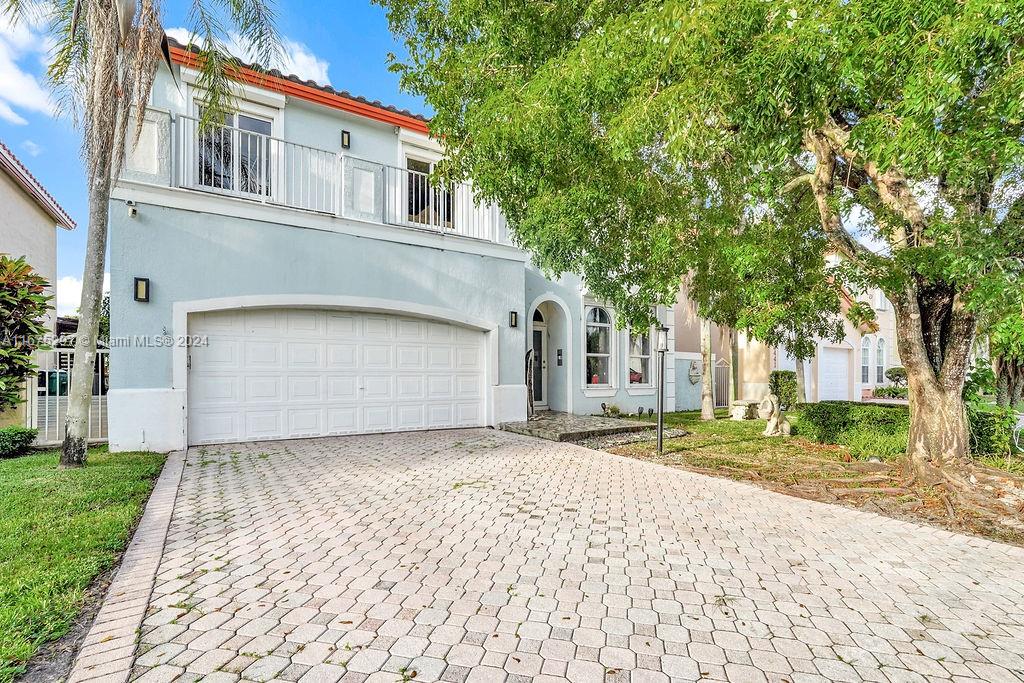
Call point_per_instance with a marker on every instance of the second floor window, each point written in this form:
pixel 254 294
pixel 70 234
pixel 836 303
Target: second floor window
pixel 598 347
pixel 235 156
pixel 429 204
pixel 865 360
pixel 639 358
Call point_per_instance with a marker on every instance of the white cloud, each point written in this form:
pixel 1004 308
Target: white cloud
pixel 295 58
pixel 32 148
pixel 69 293
pixel 21 44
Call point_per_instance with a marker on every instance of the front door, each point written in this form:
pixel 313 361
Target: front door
pixel 540 365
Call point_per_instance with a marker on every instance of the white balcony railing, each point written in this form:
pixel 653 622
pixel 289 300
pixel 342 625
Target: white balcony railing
pixel 246 164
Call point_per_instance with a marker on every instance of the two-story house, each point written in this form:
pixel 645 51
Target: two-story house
pixel 295 272
pixel 849 370
pixel 28 227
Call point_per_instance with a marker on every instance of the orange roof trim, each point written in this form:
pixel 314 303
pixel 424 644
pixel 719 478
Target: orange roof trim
pixel 311 93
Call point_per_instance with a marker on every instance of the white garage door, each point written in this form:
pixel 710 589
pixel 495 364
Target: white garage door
pixel 293 373
pixel 834 375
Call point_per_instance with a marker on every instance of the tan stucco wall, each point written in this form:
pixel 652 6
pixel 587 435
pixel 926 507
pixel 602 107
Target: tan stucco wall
pixel 687 324
pixel 26 230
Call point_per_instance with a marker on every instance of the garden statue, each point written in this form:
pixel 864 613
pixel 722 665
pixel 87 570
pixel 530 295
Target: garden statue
pixel 777 424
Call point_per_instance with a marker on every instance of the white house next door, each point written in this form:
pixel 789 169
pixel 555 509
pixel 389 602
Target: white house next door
pixel 293 373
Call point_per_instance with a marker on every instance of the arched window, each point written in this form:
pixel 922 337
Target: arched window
pixel 538 317
pixel 865 360
pixel 598 351
pixel 880 362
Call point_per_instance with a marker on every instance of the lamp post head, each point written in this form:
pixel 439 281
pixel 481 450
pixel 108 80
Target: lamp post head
pixel 662 339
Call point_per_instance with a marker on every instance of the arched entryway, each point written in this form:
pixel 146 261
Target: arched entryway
pixel 548 335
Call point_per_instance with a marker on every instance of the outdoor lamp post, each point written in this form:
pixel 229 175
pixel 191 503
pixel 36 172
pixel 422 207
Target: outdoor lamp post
pixel 662 346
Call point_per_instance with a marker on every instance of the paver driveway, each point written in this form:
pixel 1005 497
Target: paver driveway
pixel 481 555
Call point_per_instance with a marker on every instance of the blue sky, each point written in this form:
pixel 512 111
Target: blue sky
pixel 348 41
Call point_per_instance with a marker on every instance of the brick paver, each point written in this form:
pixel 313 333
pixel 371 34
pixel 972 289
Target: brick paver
pixel 487 556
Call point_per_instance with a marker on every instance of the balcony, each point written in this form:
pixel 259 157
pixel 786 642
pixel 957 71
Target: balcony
pixel 253 166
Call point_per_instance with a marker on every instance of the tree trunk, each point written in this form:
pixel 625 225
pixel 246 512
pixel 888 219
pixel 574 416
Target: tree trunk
pixel 734 365
pixel 707 395
pixel 801 390
pixel 935 332
pixel 73 452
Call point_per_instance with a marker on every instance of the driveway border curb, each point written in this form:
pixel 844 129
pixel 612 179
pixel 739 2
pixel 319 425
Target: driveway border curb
pixel 108 650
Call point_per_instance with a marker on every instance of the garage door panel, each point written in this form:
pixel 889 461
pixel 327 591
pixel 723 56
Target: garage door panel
pixel 277 374
pixel 303 355
pixel 377 387
pixel 342 389
pixel 342 325
pixel 262 354
pixel 377 357
pixel 342 356
pixel 304 388
pixel 304 422
pixel 217 389
pixel 262 389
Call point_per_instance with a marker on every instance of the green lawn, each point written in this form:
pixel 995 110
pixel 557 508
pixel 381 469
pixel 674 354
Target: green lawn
pixel 58 531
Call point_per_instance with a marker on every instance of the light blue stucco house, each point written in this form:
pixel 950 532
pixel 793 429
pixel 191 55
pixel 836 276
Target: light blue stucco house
pixel 295 274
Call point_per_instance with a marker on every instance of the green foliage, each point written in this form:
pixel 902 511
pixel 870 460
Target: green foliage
pixel 15 440
pixel 991 429
pixel 980 380
pixel 866 429
pixel 58 530
pixel 23 307
pixel 782 383
pixel 891 392
pixel 897 376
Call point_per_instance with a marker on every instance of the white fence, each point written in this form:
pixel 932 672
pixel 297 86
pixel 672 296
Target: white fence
pixel 249 164
pixel 48 396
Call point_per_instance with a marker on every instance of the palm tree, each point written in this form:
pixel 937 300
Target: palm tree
pixel 106 57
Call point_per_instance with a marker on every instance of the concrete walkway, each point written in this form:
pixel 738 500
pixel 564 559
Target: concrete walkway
pixel 487 556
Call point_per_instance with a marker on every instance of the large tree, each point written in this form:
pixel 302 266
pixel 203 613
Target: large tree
pixel 617 135
pixel 103 64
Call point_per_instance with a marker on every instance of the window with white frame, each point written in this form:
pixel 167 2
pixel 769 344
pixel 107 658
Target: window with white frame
pixel 881 303
pixel 235 156
pixel 640 357
pixel 880 362
pixel 598 351
pixel 865 360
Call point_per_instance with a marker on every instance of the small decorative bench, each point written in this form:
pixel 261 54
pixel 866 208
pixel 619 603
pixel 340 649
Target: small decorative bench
pixel 743 410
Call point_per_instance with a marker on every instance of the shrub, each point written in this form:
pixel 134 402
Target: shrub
pixel 865 428
pixel 891 392
pixel 897 375
pixel 23 303
pixel 991 430
pixel 15 440
pixel 782 383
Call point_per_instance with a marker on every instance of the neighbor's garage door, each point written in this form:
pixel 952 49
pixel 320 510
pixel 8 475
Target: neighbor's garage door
pixel 834 375
pixel 292 373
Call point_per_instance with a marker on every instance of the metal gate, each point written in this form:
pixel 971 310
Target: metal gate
pixel 48 398
pixel 721 383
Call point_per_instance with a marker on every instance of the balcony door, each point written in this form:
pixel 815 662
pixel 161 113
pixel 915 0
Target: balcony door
pixel 236 157
pixel 428 204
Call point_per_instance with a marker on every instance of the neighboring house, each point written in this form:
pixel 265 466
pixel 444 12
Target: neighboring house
pixel 296 274
pixel 846 371
pixel 28 227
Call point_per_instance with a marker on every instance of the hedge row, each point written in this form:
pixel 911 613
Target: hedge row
pixel 876 429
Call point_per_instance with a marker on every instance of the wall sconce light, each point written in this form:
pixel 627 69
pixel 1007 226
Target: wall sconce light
pixel 513 318
pixel 346 139
pixel 132 209
pixel 142 289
